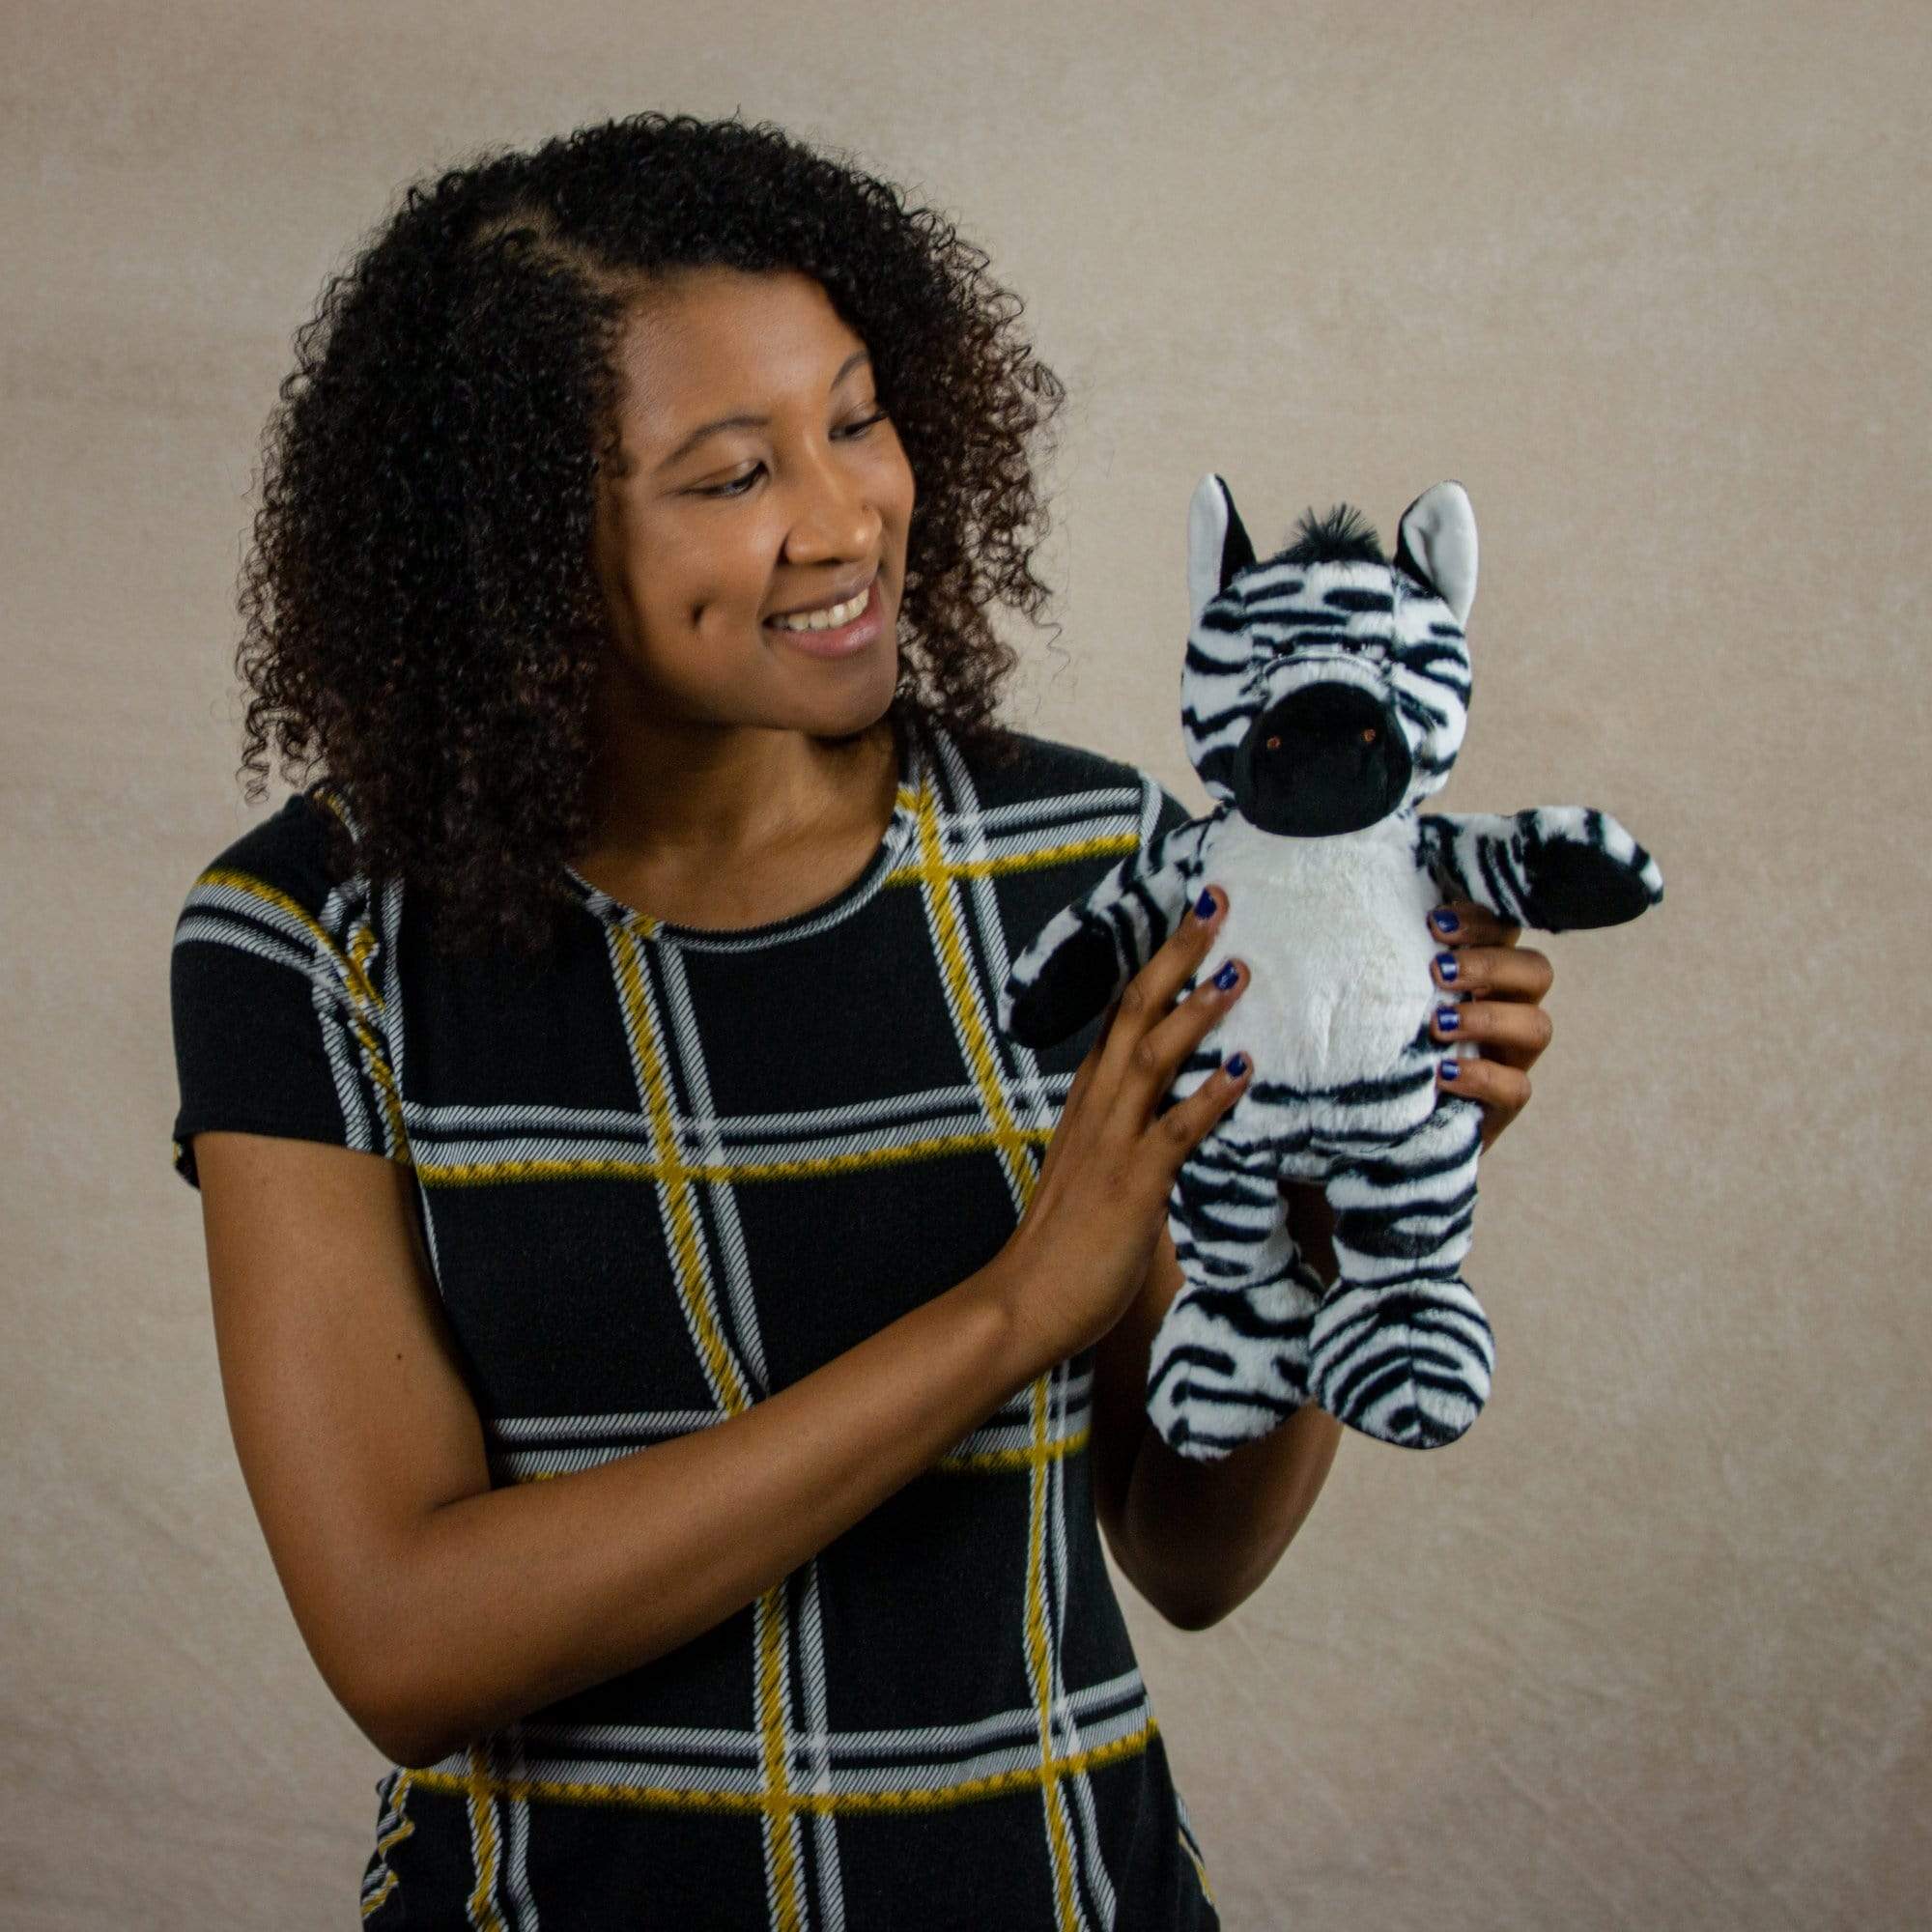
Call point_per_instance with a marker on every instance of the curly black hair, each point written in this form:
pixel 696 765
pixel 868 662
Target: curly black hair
pixel 422 617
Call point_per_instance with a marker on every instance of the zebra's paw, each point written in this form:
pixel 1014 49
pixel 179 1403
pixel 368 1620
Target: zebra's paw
pixel 1407 1362
pixel 1228 1365
pixel 1048 998
pixel 1581 868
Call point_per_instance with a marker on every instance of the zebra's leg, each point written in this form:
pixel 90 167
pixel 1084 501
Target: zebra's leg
pixel 1399 1348
pixel 1229 1360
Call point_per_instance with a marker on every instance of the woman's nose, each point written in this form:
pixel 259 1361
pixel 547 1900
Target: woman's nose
pixel 833 518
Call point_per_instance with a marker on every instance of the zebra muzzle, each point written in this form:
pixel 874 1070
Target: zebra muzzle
pixel 1327 759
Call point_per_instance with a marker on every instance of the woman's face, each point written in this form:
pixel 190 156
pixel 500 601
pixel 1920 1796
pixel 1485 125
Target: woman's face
pixel 705 533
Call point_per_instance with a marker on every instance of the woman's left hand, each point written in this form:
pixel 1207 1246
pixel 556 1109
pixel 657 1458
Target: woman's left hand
pixel 1503 1014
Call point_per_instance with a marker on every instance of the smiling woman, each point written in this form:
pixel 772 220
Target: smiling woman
pixel 642 341
pixel 659 1315
pixel 726 729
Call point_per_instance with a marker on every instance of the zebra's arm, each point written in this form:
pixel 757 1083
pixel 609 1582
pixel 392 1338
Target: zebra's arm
pixel 1550 866
pixel 1082 957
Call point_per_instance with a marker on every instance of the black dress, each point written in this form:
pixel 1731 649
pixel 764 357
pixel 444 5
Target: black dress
pixel 664 1176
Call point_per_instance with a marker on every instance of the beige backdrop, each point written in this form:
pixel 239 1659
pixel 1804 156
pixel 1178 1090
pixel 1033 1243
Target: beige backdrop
pixel 1648 1647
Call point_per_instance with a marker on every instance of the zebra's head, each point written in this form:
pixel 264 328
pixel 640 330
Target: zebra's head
pixel 1328 686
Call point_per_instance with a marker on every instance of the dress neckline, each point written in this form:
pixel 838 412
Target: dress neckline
pixel 900 833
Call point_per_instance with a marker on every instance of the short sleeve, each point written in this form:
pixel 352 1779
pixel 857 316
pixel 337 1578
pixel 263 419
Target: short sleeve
pixel 279 1021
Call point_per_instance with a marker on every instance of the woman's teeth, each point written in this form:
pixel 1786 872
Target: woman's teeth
pixel 827 619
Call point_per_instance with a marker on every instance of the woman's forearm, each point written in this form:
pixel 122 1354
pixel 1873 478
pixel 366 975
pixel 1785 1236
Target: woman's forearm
pixel 1206 1535
pixel 516 1596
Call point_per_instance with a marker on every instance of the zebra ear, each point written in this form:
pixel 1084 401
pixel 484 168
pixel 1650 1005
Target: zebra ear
pixel 1436 542
pixel 1217 545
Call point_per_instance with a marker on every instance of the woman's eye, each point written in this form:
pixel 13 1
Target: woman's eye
pixel 736 488
pixel 740 484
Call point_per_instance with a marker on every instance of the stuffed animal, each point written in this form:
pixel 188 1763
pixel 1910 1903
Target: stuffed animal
pixel 1323 696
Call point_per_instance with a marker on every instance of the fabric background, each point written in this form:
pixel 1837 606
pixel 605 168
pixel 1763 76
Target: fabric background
pixel 1648 1647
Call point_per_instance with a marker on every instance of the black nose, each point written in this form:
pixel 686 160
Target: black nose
pixel 1328 758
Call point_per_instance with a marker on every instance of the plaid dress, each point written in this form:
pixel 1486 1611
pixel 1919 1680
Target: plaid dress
pixel 662 1175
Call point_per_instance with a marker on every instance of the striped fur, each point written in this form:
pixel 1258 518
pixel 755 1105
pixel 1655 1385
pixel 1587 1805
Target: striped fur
pixel 1325 694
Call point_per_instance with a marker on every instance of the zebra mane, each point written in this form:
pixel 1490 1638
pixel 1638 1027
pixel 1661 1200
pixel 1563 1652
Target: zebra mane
pixel 1343 537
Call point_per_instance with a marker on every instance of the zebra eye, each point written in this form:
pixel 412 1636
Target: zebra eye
pixel 1368 735
pixel 1274 744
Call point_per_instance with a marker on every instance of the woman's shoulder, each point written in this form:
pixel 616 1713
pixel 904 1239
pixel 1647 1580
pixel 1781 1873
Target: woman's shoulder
pixel 1074 779
pixel 1027 766
pixel 290 855
pixel 280 1026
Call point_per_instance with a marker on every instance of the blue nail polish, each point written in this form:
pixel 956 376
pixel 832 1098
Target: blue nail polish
pixel 1445 920
pixel 1445 964
pixel 1204 905
pixel 1227 975
pixel 1448 1069
pixel 1239 1065
pixel 1445 1018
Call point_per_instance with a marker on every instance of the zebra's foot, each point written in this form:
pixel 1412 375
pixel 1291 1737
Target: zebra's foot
pixel 1407 1362
pixel 1228 1365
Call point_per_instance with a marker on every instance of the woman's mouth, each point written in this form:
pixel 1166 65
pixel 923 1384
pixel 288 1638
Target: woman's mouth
pixel 837 632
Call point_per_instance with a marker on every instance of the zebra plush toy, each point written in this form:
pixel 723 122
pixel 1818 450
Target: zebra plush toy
pixel 1323 696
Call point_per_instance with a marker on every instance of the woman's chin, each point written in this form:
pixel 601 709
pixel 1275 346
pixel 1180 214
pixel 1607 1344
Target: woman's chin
pixel 859 694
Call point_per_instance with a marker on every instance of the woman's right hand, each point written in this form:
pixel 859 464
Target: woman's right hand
pixel 1081 1251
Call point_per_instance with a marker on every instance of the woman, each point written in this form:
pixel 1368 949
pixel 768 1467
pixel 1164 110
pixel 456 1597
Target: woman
pixel 677 1395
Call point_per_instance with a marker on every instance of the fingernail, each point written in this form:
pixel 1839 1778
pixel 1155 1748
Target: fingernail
pixel 1445 920
pixel 1445 964
pixel 1448 1069
pixel 1204 906
pixel 1445 1018
pixel 1227 975
pixel 1239 1065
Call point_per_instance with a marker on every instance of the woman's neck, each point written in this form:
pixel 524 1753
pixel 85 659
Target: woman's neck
pixel 744 834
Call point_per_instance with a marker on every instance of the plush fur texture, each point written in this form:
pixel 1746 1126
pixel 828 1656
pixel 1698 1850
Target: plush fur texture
pixel 1325 693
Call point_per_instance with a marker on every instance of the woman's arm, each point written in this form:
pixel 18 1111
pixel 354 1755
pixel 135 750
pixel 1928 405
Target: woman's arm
pixel 440 1609
pixel 436 1608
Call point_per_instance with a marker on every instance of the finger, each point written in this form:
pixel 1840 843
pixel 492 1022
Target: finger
pixel 1471 924
pixel 1495 972
pixel 1082 1083
pixel 1515 1034
pixel 1187 1122
pixel 1171 1044
pixel 1146 999
pixel 1503 1092
pixel 1057 1134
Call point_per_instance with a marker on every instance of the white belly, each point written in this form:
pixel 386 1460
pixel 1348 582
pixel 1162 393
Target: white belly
pixel 1333 932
